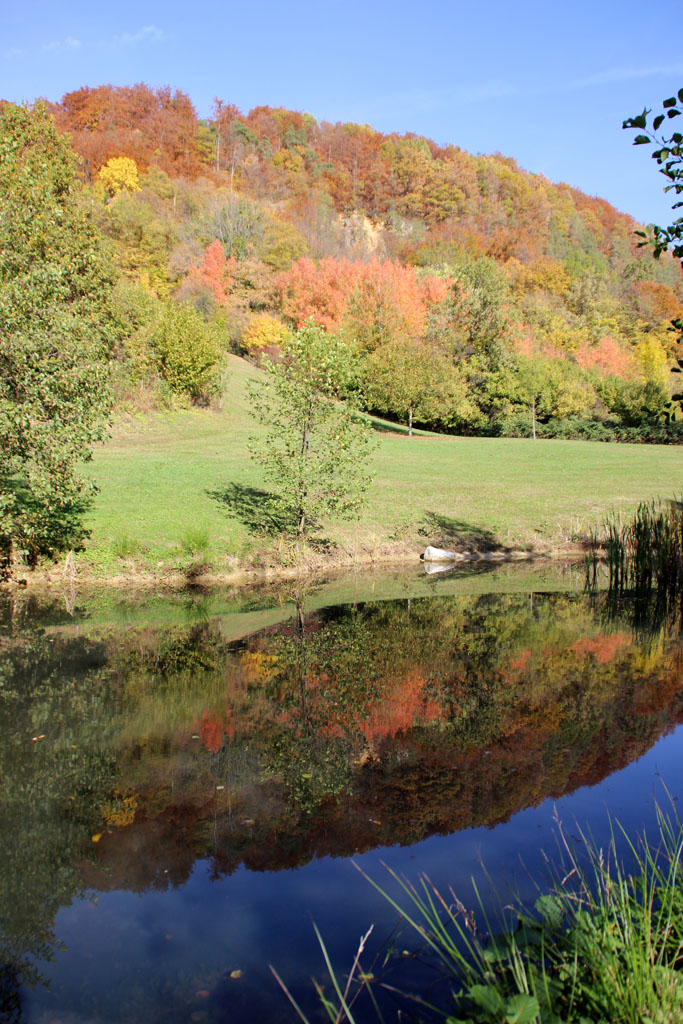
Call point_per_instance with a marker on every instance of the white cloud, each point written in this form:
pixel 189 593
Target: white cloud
pixel 56 45
pixel 459 95
pixel 626 74
pixel 148 34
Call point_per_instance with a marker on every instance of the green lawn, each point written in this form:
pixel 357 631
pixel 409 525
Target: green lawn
pixel 179 486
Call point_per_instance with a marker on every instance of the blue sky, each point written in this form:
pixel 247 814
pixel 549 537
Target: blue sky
pixel 547 83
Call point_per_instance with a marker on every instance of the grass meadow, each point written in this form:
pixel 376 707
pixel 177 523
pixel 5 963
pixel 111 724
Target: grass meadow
pixel 177 489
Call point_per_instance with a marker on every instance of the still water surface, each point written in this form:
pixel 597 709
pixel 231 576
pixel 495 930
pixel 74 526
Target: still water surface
pixel 187 781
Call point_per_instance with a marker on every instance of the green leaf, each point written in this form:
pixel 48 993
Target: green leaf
pixel 522 1009
pixel 642 140
pixel 657 121
pixel 673 113
pixel 550 910
pixel 671 102
pixel 488 997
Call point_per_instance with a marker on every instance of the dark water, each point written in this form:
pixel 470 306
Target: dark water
pixel 188 781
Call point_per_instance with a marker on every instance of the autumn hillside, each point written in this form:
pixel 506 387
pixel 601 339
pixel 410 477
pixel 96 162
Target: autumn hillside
pixel 483 299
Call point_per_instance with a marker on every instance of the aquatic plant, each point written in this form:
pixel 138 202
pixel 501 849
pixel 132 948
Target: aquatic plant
pixel 645 553
pixel 603 943
pixel 643 559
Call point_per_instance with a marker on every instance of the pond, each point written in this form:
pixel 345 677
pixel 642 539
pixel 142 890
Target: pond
pixel 190 781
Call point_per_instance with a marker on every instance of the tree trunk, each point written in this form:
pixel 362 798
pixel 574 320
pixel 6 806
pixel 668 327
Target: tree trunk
pixel 533 417
pixel 13 558
pixel 410 422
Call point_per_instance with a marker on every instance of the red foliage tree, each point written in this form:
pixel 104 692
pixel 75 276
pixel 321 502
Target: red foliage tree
pixel 215 273
pixel 150 126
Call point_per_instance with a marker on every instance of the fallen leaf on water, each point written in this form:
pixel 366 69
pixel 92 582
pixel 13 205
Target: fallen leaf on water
pixel 220 787
pixel 235 974
pixel 306 775
pixel 34 738
pixel 96 838
pixel 375 821
pixel 195 735
pixel 249 821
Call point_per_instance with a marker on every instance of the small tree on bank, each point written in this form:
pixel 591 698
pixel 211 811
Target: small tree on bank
pixel 314 451
pixel 57 329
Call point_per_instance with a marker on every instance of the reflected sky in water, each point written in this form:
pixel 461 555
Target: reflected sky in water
pixel 205 781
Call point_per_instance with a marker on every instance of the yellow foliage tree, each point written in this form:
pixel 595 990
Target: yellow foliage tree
pixel 543 275
pixel 263 332
pixel 652 359
pixel 120 174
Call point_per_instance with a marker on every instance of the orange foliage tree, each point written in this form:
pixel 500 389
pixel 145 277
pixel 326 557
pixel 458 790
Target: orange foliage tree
pixel 215 273
pixel 373 302
pixel 607 357
pixel 151 126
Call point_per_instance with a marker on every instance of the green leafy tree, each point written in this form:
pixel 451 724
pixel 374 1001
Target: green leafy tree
pixel 314 451
pixel 189 351
pixel 668 154
pixel 413 381
pixel 57 330
pixel 535 389
pixel 473 318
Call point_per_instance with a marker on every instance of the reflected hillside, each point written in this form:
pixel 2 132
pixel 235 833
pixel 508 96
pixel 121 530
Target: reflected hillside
pixel 127 755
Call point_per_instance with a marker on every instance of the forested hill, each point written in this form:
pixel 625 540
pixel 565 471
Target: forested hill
pixel 529 301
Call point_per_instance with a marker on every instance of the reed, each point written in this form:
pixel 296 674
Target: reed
pixel 645 553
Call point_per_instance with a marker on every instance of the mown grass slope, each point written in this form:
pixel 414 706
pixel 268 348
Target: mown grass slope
pixel 180 487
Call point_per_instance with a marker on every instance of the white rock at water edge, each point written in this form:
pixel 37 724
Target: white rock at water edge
pixel 439 555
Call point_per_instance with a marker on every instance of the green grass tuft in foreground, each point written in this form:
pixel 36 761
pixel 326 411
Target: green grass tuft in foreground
pixel 163 477
pixel 603 944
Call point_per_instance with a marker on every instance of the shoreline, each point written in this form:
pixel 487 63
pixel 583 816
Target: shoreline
pixel 308 564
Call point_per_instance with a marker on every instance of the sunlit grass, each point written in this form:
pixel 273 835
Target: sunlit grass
pixel 168 474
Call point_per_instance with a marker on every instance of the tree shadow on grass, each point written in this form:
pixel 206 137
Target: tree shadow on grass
pixel 260 513
pixel 382 426
pixel 256 509
pixel 457 535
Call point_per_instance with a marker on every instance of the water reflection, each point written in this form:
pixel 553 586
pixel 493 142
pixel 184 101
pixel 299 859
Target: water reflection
pixel 129 752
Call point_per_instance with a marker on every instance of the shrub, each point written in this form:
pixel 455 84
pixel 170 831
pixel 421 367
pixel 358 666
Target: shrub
pixel 189 351
pixel 264 334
